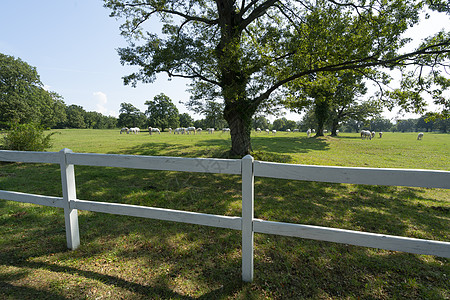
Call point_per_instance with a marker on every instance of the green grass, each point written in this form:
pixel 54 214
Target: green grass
pixel 132 258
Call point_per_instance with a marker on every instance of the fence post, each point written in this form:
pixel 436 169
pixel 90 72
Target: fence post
pixel 247 218
pixel 69 192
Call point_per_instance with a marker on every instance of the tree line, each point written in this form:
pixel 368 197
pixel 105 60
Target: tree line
pixel 24 100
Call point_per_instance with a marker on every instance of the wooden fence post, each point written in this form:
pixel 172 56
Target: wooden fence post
pixel 69 192
pixel 247 218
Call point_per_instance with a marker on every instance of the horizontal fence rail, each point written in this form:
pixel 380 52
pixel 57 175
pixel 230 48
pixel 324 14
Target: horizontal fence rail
pixel 356 238
pixel 34 199
pixel 371 176
pixel 248 169
pixel 162 163
pixel 159 214
pixel 29 156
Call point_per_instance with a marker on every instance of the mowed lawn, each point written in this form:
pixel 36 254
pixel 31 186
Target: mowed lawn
pixel 132 258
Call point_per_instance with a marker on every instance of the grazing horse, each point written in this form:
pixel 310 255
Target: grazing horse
pixel 151 129
pixel 366 134
pixel 135 130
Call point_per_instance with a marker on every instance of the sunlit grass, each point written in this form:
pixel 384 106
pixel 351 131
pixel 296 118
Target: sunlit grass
pixel 132 258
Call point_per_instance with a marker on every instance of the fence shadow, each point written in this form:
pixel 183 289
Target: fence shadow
pixel 161 256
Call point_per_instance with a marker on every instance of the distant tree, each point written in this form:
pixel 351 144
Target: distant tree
pixel 406 125
pixel 186 120
pixel 279 124
pixel 290 125
pixel 110 122
pixel 210 123
pixel 75 116
pixel 308 121
pixel 443 124
pixel 380 124
pixel 53 111
pixel 130 116
pixel 162 113
pixel 424 123
pixel 96 120
pixel 353 125
pixel 209 108
pixel 201 124
pixel 261 122
pixel 23 98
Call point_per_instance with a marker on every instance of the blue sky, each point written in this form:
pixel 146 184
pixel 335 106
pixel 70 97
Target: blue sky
pixel 73 43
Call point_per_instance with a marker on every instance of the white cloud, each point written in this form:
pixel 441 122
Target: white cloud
pixel 47 87
pixel 101 101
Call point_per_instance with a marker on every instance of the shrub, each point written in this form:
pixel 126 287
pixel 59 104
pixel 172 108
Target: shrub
pixel 27 137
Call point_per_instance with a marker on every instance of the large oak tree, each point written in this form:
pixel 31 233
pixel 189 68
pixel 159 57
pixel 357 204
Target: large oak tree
pixel 248 51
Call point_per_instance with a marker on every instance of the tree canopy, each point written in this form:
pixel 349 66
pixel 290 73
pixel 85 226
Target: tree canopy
pixel 23 100
pixel 130 116
pixel 161 112
pixel 248 52
pixel 22 96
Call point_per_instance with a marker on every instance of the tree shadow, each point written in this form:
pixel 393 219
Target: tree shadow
pixel 163 255
pixel 213 148
pixel 289 144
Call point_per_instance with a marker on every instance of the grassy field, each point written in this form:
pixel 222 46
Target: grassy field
pixel 131 258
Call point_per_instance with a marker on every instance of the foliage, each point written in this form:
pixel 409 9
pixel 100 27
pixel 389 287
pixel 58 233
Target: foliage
pixel 213 111
pixel 380 124
pixel 162 113
pixel 130 116
pixel 261 122
pixel 247 52
pixel 27 137
pixel 23 100
pixel 22 96
pixel 283 124
pixel 406 125
pixel 186 120
pixel 75 116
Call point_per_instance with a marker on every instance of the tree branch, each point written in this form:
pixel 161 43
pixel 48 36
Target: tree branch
pixel 358 64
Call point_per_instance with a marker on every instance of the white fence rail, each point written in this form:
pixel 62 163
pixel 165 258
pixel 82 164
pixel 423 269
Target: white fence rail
pixel 248 169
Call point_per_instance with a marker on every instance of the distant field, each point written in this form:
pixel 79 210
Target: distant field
pixel 394 150
pixel 132 258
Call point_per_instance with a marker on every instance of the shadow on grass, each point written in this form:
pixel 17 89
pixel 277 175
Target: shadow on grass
pixel 211 148
pixel 148 258
pixel 267 149
pixel 289 144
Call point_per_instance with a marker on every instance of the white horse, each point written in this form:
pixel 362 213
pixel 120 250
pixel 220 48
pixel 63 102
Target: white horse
pixel 420 136
pixel 179 130
pixel 135 130
pixel 125 129
pixel 366 134
pixel 191 129
pixel 151 129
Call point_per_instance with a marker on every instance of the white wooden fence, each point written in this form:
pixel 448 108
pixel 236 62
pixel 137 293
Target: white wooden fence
pixel 248 169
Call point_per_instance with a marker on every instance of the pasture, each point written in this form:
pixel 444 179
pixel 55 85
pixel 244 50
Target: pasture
pixel 125 257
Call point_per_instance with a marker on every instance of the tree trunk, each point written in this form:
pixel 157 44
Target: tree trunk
pixel 334 127
pixel 239 121
pixel 322 112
